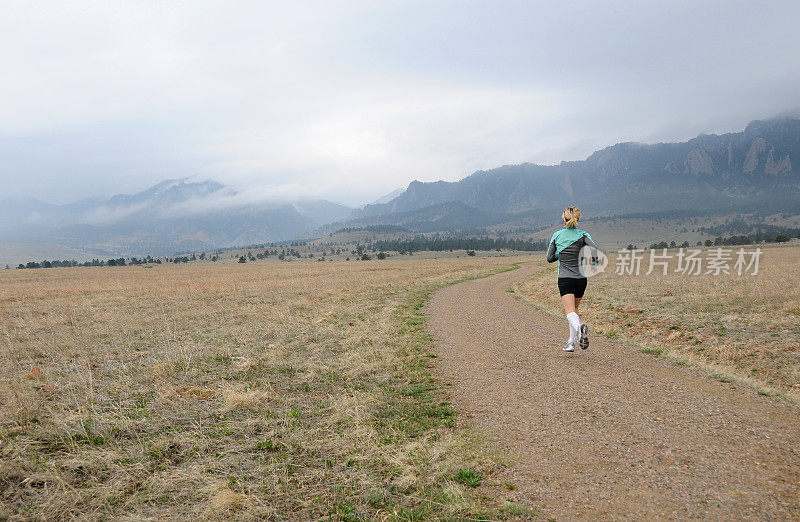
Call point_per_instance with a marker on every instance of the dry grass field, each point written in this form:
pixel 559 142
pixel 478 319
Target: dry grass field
pixel 739 329
pixel 259 390
pixel 302 390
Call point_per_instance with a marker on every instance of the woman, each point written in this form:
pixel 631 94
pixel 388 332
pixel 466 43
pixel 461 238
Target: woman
pixel 565 246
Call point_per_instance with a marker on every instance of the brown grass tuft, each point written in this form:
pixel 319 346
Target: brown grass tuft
pixel 226 502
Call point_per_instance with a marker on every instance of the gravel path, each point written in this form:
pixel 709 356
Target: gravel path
pixel 609 432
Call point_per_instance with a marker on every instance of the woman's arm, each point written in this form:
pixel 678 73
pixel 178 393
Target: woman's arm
pixel 592 246
pixel 551 251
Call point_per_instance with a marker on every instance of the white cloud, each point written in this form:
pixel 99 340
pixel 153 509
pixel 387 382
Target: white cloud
pixel 349 100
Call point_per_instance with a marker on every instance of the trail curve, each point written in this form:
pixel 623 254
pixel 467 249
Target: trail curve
pixel 609 432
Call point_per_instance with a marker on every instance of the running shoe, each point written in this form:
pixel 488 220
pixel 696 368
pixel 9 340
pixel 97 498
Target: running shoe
pixel 570 346
pixel 583 340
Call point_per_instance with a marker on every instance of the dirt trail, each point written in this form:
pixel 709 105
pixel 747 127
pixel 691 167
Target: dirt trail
pixel 610 432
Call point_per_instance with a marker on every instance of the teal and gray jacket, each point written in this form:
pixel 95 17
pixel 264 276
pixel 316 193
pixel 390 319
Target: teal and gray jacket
pixel 565 246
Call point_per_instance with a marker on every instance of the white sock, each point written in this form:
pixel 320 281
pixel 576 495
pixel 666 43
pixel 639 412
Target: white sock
pixel 574 325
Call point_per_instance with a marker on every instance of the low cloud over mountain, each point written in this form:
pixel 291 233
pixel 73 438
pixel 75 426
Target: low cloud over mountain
pixel 174 215
pixel 756 169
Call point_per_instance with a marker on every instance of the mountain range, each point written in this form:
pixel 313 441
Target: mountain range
pixel 756 169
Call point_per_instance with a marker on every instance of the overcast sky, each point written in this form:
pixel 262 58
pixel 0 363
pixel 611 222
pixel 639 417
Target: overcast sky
pixel 350 100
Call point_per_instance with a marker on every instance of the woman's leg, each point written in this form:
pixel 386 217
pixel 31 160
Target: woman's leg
pixel 568 300
pixel 583 330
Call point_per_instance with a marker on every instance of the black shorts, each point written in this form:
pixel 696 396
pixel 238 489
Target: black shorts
pixel 572 285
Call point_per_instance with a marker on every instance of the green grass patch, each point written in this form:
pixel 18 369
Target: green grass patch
pixel 611 333
pixel 413 390
pixel 468 477
pixel 267 445
pixel 515 510
pixel 649 350
pixel 222 358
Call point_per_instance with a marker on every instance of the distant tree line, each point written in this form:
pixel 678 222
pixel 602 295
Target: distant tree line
pixel 263 245
pixel 119 261
pixel 439 244
pixel 750 239
pixel 757 232
pixel 282 255
pixel 664 244
pixel 378 229
pixel 746 239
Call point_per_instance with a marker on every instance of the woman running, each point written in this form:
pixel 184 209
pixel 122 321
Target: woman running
pixel 565 246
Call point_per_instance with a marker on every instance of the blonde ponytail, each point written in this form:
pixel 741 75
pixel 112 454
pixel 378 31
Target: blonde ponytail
pixel 571 216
